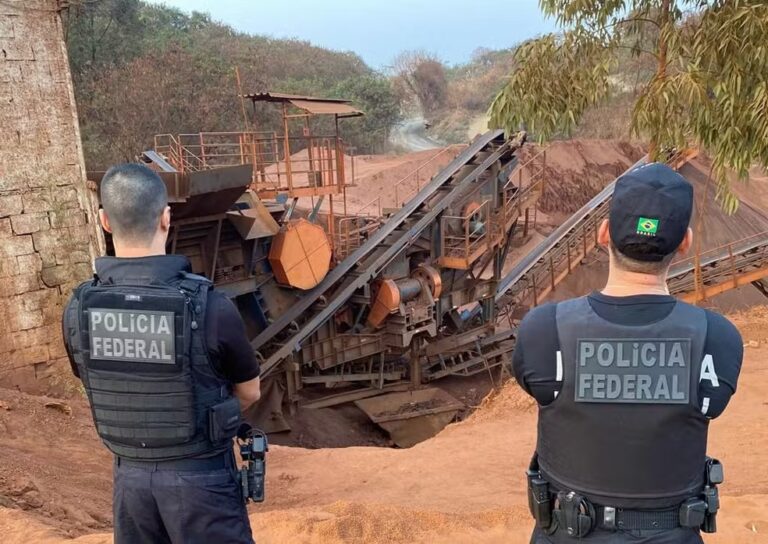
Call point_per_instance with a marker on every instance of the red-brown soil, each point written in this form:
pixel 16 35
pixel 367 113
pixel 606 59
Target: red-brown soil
pixel 465 485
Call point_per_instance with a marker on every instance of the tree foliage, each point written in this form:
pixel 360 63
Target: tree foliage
pixel 709 88
pixel 141 69
pixel 421 78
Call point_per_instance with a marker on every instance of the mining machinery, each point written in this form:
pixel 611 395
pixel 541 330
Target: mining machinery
pixel 351 307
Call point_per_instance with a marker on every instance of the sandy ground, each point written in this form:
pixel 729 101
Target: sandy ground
pixel 375 178
pixel 465 485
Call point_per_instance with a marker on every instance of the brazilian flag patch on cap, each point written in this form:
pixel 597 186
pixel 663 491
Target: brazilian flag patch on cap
pixel 647 227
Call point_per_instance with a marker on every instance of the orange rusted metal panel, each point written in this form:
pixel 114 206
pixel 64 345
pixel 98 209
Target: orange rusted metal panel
pixel 387 301
pixel 300 255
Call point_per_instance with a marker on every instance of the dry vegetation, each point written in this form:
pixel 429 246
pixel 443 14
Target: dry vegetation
pixel 158 70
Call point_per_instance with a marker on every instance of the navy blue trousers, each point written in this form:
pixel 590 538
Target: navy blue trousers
pixel 681 535
pixel 153 505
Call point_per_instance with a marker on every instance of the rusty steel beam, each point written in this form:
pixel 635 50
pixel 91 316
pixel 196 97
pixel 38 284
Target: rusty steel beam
pixel 729 283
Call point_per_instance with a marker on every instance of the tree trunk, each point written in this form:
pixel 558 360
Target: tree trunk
pixel 661 71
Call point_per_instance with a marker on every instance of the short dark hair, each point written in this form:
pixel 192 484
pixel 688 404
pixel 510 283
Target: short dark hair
pixel 133 197
pixel 656 268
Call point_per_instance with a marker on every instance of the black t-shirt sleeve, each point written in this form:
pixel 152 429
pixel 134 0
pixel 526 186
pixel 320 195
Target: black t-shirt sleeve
pixel 66 327
pixel 228 343
pixel 723 354
pixel 534 361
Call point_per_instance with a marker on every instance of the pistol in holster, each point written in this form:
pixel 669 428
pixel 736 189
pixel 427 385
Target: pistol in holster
pixel 701 511
pixel 253 450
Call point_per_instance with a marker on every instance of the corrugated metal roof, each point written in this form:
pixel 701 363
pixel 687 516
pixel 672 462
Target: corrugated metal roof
pixel 310 104
pixel 280 97
pixel 327 108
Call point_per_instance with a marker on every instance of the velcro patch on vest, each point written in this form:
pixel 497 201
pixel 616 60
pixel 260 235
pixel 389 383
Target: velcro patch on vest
pixel 652 371
pixel 133 336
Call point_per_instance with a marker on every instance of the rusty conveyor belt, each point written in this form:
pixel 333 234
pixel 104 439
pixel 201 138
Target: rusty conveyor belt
pixel 556 248
pixel 722 268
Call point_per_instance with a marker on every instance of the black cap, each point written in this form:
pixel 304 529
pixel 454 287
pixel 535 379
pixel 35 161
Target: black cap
pixel 650 212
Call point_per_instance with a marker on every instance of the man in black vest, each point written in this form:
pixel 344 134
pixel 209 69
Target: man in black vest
pixel 627 380
pixel 167 368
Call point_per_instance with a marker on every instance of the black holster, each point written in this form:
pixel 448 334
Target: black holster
pixel 575 514
pixel 714 475
pixel 540 498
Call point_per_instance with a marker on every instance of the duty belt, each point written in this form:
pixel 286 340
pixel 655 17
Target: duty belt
pixel 218 461
pixel 577 516
pixel 611 518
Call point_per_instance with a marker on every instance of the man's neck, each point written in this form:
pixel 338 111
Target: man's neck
pixel 133 252
pixel 626 284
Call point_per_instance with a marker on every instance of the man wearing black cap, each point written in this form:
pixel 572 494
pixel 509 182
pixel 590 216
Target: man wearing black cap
pixel 627 380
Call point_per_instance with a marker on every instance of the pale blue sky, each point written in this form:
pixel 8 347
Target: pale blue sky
pixel 378 29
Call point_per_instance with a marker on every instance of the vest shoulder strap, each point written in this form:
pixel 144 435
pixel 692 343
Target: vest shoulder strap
pixel 194 283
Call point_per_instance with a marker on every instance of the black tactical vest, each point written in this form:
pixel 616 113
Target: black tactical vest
pixel 626 429
pixel 141 354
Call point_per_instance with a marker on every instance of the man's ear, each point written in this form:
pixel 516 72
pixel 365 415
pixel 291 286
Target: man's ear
pixel 685 245
pixel 165 219
pixel 104 220
pixel 604 233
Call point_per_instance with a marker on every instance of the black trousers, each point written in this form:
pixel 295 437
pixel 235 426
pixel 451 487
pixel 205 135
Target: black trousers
pixel 681 535
pixel 155 505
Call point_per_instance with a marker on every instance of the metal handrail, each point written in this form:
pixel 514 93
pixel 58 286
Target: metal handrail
pixel 416 173
pixel 376 200
pixel 715 254
pixel 467 243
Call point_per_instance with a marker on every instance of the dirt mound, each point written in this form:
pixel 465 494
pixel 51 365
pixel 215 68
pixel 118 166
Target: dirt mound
pixel 576 170
pixel 497 404
pixel 718 229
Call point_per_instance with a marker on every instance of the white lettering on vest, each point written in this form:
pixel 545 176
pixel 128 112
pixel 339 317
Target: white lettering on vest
pixel 708 371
